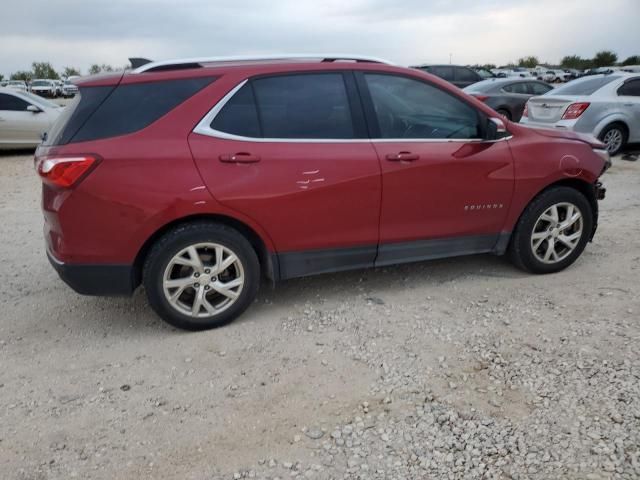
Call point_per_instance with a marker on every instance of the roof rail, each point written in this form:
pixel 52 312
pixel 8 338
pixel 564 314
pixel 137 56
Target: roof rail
pixel 198 61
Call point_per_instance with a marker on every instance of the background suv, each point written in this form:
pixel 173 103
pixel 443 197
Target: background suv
pixel 44 88
pixel 198 177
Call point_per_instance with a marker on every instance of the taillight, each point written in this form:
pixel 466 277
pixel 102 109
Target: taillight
pixel 525 112
pixel 574 110
pixel 65 171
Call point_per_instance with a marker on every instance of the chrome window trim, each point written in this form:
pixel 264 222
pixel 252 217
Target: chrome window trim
pixel 204 128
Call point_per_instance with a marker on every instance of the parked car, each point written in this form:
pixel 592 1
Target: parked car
pixel 458 75
pixel 68 88
pixel 19 85
pixel 44 88
pixel 554 76
pixel 198 177
pixel 572 74
pixel 24 118
pixel 507 96
pixel 606 106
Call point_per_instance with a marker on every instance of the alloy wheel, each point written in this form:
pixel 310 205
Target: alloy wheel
pixel 613 140
pixel 557 233
pixel 203 280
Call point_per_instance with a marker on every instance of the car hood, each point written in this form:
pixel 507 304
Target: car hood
pixel 568 134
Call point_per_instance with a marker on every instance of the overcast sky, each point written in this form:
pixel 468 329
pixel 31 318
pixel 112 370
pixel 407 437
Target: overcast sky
pixel 81 32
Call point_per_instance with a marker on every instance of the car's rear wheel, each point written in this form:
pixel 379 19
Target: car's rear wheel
pixel 553 231
pixel 201 275
pixel 614 136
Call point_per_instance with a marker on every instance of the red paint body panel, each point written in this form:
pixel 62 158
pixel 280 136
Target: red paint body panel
pixel 432 197
pixel 300 196
pixel 307 195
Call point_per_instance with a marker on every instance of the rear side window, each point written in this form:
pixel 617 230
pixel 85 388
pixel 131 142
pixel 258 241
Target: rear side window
pixel 239 116
pixel 407 108
pixel 76 114
pixel 539 88
pixel 630 88
pixel 304 106
pixel 12 103
pixel 442 72
pixel 466 75
pixel 519 87
pixel 133 107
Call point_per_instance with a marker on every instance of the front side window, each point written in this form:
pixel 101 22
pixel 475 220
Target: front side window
pixel 12 103
pixel 407 108
pixel 442 72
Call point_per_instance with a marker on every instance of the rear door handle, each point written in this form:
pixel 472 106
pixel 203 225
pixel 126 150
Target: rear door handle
pixel 628 104
pixel 403 157
pixel 241 157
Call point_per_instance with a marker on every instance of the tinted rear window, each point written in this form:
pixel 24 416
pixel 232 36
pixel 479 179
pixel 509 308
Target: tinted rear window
pixel 584 87
pixel 304 106
pixel 133 107
pixel 239 116
pixel 76 113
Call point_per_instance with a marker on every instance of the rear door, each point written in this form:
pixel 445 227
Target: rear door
pixel 291 152
pixel 445 191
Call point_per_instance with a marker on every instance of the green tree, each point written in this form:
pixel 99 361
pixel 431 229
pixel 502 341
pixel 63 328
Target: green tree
pixel 489 66
pixel 93 69
pixel 574 61
pixel 632 60
pixel 1 77
pixel 528 62
pixel 70 71
pixel 44 70
pixel 106 68
pixel 605 58
pixel 21 75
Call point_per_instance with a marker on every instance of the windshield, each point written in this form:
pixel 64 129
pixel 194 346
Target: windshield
pixel 585 86
pixel 40 83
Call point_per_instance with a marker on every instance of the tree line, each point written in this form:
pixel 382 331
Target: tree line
pixel 46 70
pixel 604 58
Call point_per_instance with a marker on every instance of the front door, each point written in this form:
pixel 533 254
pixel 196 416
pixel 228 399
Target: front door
pixel 290 152
pixel 18 125
pixel 445 191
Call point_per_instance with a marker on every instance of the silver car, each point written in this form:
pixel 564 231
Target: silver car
pixel 606 106
pixel 24 118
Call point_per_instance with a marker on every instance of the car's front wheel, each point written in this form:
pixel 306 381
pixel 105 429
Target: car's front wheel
pixel 201 275
pixel 552 231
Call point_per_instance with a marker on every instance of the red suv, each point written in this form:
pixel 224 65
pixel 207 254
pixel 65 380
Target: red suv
pixel 199 177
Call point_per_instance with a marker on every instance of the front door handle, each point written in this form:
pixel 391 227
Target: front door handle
pixel 241 157
pixel 628 104
pixel 403 157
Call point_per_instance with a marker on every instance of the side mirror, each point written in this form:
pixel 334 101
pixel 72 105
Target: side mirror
pixel 496 128
pixel 34 109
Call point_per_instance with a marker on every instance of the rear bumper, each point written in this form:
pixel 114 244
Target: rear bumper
pixel 109 280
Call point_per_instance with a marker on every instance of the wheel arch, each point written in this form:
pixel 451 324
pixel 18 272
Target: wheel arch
pixel 268 264
pixel 612 120
pixel 582 186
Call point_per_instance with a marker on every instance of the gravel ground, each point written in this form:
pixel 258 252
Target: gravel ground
pixel 464 368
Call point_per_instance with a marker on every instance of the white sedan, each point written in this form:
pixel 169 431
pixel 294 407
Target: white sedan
pixel 24 118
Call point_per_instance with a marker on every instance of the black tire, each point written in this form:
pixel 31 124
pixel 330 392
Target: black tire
pixel 504 113
pixel 521 249
pixel 182 237
pixel 623 132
